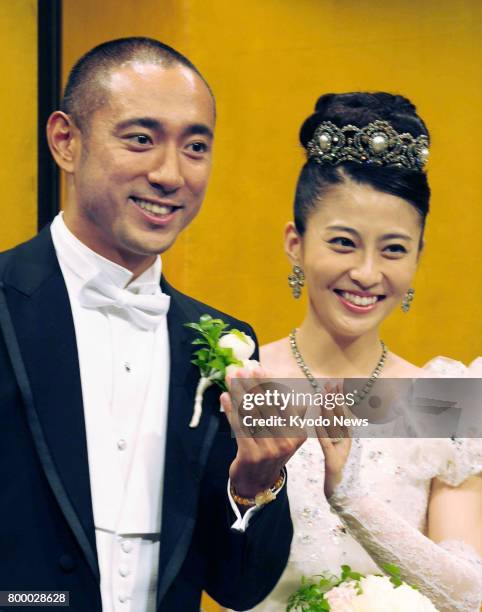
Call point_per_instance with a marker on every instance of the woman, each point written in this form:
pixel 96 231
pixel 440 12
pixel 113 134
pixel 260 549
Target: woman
pixel 360 209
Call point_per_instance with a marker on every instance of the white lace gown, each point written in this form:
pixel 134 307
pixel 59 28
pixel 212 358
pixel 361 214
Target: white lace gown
pixel 382 503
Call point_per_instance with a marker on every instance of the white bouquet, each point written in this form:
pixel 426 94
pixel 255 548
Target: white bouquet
pixel 354 592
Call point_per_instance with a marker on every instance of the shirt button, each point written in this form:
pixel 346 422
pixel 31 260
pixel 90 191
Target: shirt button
pixel 126 546
pixel 122 598
pixel 121 444
pixel 124 571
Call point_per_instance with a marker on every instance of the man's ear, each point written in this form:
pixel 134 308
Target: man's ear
pixel 64 139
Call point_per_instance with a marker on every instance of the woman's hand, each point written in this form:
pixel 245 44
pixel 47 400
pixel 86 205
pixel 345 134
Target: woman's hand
pixel 335 443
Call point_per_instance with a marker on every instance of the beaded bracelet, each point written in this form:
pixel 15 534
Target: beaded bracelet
pixel 261 498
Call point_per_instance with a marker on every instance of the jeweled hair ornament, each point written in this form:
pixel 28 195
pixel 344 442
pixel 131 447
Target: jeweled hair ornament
pixel 376 143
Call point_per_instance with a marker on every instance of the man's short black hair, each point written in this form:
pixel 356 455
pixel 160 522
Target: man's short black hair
pixel 85 91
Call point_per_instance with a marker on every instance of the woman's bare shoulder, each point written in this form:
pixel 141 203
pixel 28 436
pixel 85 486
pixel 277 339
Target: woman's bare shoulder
pixel 276 356
pixel 274 351
pixel 398 367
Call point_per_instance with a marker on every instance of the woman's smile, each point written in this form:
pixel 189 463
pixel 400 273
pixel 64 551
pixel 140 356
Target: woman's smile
pixel 358 302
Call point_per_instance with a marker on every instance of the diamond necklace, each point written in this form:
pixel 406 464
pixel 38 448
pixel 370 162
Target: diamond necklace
pixel 307 372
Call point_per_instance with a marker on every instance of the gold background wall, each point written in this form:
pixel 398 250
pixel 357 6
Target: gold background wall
pixel 268 61
pixel 18 112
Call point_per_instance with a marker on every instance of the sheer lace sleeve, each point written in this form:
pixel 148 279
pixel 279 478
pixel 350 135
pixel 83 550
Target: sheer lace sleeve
pixel 449 573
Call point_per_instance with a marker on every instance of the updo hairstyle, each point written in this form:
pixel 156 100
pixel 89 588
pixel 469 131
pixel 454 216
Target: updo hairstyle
pixel 360 109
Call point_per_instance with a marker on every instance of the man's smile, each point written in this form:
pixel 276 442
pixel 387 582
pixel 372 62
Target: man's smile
pixel 158 209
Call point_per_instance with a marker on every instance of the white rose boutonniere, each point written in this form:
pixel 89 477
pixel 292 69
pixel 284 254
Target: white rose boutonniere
pixel 221 350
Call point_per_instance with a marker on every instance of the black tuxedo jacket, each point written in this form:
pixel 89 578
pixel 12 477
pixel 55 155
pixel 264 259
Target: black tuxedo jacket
pixel 47 538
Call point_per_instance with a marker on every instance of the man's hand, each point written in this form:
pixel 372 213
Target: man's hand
pixel 259 460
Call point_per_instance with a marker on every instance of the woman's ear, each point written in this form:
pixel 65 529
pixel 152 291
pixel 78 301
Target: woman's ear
pixel 64 140
pixel 421 246
pixel 293 244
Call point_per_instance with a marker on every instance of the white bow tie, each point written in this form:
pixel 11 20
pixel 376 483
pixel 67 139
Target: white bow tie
pixel 146 310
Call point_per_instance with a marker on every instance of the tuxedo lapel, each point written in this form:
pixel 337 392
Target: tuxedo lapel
pixel 37 321
pixel 187 448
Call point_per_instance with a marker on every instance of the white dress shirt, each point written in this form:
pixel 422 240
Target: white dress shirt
pixel 124 374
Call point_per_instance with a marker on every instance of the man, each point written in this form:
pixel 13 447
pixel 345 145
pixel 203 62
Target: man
pixel 107 492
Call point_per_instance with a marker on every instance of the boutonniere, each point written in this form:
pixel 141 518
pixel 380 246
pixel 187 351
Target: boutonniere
pixel 221 347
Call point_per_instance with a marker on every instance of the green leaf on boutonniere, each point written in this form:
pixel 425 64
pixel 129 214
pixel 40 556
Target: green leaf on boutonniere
pixel 193 326
pixel 217 364
pixel 238 334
